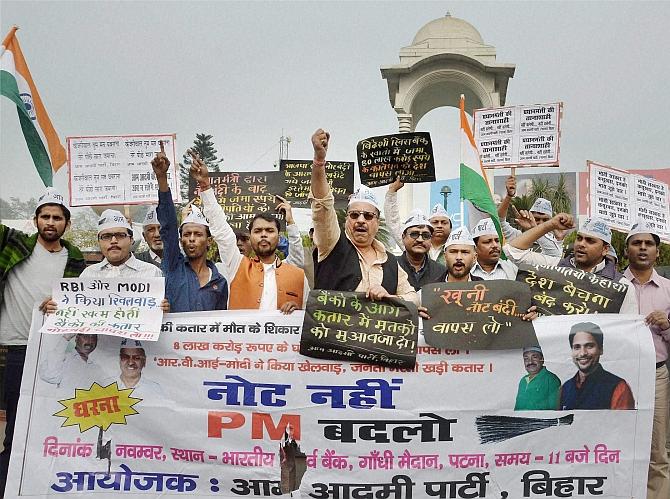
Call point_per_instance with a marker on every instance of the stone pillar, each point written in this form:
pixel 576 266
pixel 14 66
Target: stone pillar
pixel 405 123
pixel 406 194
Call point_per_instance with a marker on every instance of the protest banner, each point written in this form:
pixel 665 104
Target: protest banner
pixel 406 155
pixel 620 198
pixel 297 177
pixel 344 325
pixel 244 194
pixel 568 291
pixel 119 307
pixel 518 135
pixel 116 169
pixel 242 413
pixel 477 315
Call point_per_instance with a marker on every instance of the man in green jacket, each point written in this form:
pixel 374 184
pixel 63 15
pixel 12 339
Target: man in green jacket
pixel 540 389
pixel 29 267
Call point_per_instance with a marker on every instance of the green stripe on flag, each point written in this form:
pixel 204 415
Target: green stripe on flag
pixel 475 189
pixel 9 89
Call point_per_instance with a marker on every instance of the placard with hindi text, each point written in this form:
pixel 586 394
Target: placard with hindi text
pixel 477 315
pixel 405 155
pixel 348 326
pixel 568 291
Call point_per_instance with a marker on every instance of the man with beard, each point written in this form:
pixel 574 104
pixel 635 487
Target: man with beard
pixel 549 244
pixel 66 367
pixel 192 283
pixel 353 260
pixel 460 256
pixel 264 282
pixel 29 267
pixel 592 387
pixel 653 297
pixel 152 236
pixel 539 390
pixel 487 245
pixel 590 250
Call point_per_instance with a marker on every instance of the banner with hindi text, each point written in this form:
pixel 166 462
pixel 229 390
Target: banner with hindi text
pixel 227 407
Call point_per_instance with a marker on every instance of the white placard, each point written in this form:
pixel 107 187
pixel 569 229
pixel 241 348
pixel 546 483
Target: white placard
pixel 116 169
pixel 621 198
pixel 129 308
pixel 518 135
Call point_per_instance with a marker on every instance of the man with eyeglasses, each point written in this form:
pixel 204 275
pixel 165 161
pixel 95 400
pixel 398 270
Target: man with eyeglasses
pixel 29 267
pixel 115 238
pixel 132 360
pixel 353 260
pixel 414 235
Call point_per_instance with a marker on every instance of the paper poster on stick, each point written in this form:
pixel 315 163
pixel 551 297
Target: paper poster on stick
pixel 518 135
pixel 405 155
pixel 620 198
pixel 116 169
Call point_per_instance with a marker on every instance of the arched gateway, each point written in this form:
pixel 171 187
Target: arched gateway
pixel 447 58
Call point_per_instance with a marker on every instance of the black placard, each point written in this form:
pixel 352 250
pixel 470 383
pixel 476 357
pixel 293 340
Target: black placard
pixel 244 194
pixel 568 291
pixel 346 326
pixel 405 155
pixel 297 178
pixel 477 315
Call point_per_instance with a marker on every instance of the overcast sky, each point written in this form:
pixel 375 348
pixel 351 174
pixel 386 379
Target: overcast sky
pixel 245 71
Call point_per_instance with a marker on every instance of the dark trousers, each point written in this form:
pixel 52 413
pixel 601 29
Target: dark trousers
pixel 16 358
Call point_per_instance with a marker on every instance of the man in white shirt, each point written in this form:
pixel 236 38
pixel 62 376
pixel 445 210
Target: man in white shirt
pixel 69 368
pixel 152 236
pixel 132 360
pixel 487 245
pixel 590 250
pixel 115 238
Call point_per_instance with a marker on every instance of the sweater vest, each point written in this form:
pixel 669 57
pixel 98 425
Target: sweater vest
pixel 341 269
pixel 595 393
pixel 609 271
pixel 247 287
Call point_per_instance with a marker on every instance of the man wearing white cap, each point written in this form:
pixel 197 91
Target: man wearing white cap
pixel 590 249
pixel 29 267
pixel 115 238
pixel 192 283
pixel 152 236
pixel 540 212
pixel 263 282
pixel 460 256
pixel 355 260
pixel 439 219
pixel 132 360
pixel 487 244
pixel 653 297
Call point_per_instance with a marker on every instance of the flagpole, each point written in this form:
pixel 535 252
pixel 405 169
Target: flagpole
pixel 460 162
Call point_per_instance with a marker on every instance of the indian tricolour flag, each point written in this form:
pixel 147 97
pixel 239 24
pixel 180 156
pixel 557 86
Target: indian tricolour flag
pixel 16 84
pixel 475 188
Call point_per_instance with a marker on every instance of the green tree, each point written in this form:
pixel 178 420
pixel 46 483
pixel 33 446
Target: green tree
pixel 560 199
pixel 204 146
